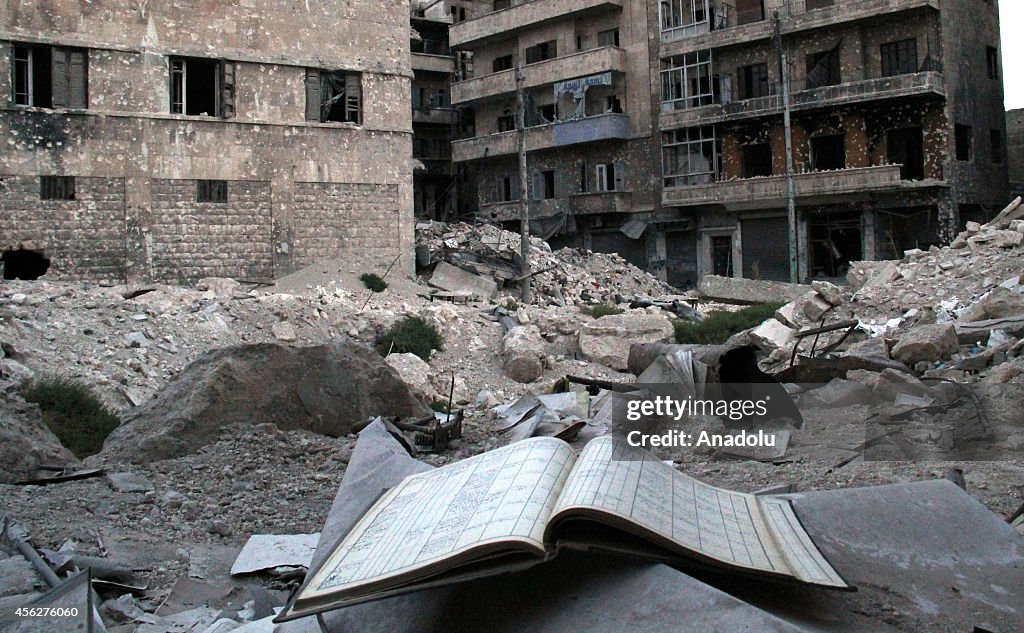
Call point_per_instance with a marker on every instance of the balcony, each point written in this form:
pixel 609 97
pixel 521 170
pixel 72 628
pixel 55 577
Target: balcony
pixel 596 60
pixel 433 63
pixel 595 202
pixel 433 166
pixel 600 127
pixel 750 193
pixel 722 29
pixel 809 99
pixel 501 24
pixel 432 116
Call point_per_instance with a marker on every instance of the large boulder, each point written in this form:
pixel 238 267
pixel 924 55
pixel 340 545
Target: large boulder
pixel 523 353
pixel 414 372
pixel 747 291
pixel 26 443
pixel 608 339
pixel 927 343
pixel 325 389
pixel 997 304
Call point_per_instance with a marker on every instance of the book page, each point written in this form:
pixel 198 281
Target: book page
pixel 723 525
pixel 503 495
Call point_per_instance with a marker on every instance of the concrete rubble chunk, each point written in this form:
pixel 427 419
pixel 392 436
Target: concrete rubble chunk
pixel 26 443
pixel 998 303
pixel 459 281
pixel 414 372
pixel 129 482
pixel 892 383
pixel 284 331
pixel 748 291
pixel 927 343
pixel 523 353
pixel 790 315
pixel 871 348
pixel 323 388
pixel 17 576
pixel 815 306
pixel 772 335
pixel 867 276
pixel 607 340
pixel 828 291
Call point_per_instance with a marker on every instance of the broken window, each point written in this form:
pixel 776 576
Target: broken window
pixel 835 240
pixel 507 189
pixel 541 52
pixel 334 95
pixel 24 264
pixel 749 11
pixel 691 156
pixel 686 80
pixel 548 113
pixel 544 185
pixel 906 148
pixel 612 104
pixel 996 145
pixel 202 87
pixel 823 69
pixel 458 13
pixel 611 176
pixel 56 187
pixel 963 134
pixel 753 81
pixel 675 14
pixel 212 191
pixel 828 152
pixel 757 160
pixel 49 76
pixel 608 38
pixel 992 61
pixel 899 58
pixel 506 123
pixel 501 63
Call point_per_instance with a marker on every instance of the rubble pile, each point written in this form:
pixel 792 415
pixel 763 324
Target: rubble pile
pixel 563 277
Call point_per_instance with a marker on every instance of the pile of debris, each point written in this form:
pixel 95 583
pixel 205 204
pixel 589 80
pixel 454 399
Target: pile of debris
pixel 564 277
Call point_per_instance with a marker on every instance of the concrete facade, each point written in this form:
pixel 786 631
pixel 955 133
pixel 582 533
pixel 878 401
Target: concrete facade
pixel 292 182
pixel 898 135
pixel 591 154
pixel 1015 149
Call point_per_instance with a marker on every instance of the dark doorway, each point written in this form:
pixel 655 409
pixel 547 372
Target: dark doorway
pixel 906 148
pixel 835 241
pixel 25 265
pixel 828 152
pixel 757 160
pixel 721 255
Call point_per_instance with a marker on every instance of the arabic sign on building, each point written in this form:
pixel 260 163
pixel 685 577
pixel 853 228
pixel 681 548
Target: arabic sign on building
pixel 578 86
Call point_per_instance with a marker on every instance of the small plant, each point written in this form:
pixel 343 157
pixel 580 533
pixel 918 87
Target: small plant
pixel 511 305
pixel 719 326
pixel 73 412
pixel 374 282
pixel 412 335
pixel 602 309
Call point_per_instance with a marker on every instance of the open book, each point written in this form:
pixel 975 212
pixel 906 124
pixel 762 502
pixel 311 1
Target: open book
pixel 515 506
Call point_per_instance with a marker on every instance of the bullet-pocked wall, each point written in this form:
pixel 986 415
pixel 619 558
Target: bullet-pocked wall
pixel 218 139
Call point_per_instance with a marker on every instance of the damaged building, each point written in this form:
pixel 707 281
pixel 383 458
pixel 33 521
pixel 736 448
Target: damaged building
pixel 897 129
pixel 150 142
pixel 585 78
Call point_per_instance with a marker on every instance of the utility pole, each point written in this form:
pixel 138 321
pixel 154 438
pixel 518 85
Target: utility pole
pixel 524 190
pixel 794 264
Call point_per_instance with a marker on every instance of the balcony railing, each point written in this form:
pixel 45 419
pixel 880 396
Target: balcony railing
pixel 593 61
pixel 765 191
pixel 433 116
pixel 501 24
pixel 595 202
pixel 433 63
pixel 600 127
pixel 724 28
pixel 808 99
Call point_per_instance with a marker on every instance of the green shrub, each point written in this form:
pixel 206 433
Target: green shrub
pixel 511 306
pixel 601 309
pixel 76 416
pixel 374 282
pixel 719 326
pixel 410 335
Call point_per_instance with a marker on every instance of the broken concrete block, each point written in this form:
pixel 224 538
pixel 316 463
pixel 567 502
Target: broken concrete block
pixel 17 576
pixel 457 280
pixel 284 331
pixel 837 394
pixel 871 348
pixel 129 482
pixel 772 335
pixel 136 339
pixel 892 383
pixel 996 239
pixel 415 373
pixel 607 340
pixel 815 307
pixel 523 353
pixel 875 276
pixel 927 343
pixel 999 303
pixel 747 291
pixel 828 291
pixel 220 288
pixel 1002 374
pixel 789 314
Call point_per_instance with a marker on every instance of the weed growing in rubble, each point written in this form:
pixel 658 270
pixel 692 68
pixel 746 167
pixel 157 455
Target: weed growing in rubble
pixel 73 412
pixel 601 309
pixel 412 335
pixel 719 326
pixel 374 282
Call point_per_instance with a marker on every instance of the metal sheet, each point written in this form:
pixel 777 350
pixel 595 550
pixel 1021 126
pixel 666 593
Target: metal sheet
pixel 266 551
